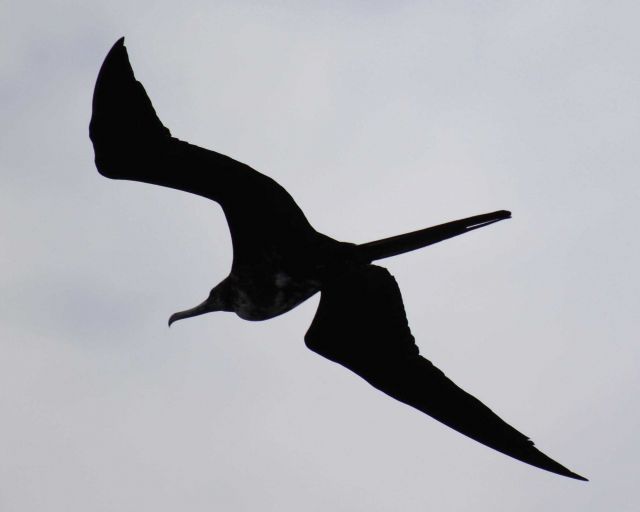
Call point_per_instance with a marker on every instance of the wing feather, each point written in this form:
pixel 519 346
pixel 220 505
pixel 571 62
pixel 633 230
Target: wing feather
pixel 361 324
pixel 131 143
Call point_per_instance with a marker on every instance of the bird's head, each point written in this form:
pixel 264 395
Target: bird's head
pixel 218 300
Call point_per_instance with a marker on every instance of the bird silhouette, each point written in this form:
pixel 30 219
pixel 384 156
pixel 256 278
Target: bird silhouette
pixel 279 261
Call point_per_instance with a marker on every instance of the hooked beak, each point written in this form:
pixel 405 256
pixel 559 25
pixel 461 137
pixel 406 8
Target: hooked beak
pixel 206 307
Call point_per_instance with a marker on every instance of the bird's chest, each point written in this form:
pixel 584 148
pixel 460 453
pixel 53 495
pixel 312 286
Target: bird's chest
pixel 259 296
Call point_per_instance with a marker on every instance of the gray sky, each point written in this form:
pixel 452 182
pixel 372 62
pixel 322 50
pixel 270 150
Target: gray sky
pixel 444 109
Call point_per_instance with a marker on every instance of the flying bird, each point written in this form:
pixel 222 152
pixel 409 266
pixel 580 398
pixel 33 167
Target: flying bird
pixel 280 260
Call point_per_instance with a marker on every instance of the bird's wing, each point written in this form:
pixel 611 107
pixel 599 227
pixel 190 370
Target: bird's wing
pixel 131 143
pixel 361 324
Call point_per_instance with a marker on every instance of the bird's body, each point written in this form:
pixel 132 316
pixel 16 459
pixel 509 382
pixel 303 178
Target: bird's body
pixel 262 295
pixel 274 279
pixel 279 261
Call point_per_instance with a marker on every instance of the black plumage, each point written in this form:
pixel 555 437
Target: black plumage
pixel 279 261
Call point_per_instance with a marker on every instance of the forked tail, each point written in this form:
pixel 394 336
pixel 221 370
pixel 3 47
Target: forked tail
pixel 415 240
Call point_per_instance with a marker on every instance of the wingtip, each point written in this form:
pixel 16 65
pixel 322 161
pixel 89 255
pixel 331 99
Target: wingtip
pixel 575 476
pixel 117 53
pixel 538 459
pixel 114 67
pixel 118 46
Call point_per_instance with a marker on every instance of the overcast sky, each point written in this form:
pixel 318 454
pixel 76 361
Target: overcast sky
pixel 378 119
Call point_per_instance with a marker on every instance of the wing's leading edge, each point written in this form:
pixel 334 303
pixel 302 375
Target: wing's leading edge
pixel 361 324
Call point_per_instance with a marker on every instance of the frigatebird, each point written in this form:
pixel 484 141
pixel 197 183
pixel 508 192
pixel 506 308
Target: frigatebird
pixel 279 261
